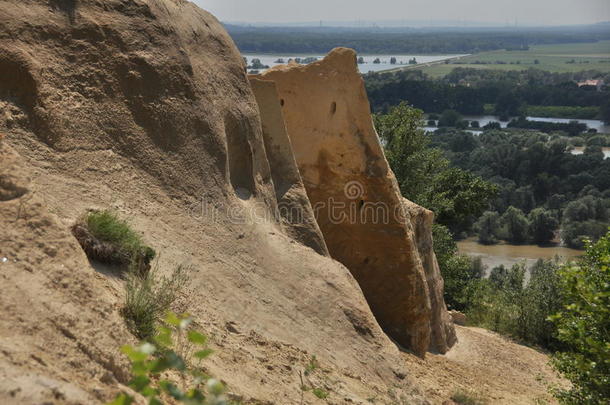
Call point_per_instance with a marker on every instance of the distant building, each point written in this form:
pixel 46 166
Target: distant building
pixel 598 83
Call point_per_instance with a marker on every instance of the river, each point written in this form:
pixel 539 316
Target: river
pixel 579 150
pixel 503 253
pixel 367 66
pixel 595 124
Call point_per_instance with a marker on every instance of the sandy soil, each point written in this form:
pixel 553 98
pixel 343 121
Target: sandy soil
pixel 488 366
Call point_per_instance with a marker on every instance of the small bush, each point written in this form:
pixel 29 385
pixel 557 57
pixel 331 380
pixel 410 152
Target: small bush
pixel 106 238
pixel 505 304
pixel 148 297
pixel 150 360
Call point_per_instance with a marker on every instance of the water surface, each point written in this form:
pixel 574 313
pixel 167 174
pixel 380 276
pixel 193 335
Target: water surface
pixel 368 65
pixel 503 253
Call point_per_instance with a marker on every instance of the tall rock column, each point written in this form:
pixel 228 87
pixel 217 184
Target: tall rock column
pixel 355 196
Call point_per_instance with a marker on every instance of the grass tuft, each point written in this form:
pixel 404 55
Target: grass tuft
pixel 108 239
pixel 320 393
pixel 149 297
pixel 467 398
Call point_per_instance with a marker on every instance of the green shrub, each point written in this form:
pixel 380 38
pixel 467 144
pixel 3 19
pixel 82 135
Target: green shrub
pixel 459 272
pixel 151 360
pixel 108 239
pixel 584 326
pixel 149 297
pixel 488 227
pixel 505 304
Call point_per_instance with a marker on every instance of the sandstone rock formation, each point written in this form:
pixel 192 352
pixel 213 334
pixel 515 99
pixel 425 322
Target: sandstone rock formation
pixel 357 201
pixel 143 106
pixel 293 205
pixel 443 332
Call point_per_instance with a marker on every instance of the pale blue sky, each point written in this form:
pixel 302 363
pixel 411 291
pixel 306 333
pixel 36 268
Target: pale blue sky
pixel 546 12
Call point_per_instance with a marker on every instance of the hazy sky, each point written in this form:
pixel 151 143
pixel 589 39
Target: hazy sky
pixel 547 12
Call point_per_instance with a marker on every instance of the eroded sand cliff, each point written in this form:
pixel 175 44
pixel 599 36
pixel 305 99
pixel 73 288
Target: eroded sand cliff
pixel 143 106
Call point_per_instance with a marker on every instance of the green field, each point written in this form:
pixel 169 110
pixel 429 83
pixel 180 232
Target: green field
pixel 554 58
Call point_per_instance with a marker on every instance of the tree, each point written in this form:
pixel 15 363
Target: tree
pixel 604 112
pixel 542 226
pixel 456 196
pixel 407 151
pixel 488 227
pixel 543 298
pixel 516 225
pixel 449 118
pixel 508 104
pixel 393 60
pixel 584 326
pixel 377 61
pixel 360 60
pixel 460 273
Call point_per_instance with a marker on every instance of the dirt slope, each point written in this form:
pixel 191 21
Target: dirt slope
pixel 488 366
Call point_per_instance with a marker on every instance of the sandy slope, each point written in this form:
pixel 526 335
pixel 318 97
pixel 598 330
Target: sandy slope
pixel 489 366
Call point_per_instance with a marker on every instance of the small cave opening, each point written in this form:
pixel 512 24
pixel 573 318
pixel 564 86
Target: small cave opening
pixel 239 156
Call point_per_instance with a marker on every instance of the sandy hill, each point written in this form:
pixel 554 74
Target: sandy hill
pixel 144 107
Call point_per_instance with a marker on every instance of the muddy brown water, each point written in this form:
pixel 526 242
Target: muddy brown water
pixel 503 253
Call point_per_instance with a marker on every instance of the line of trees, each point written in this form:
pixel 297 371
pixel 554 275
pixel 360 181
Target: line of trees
pixel 467 91
pixel 396 41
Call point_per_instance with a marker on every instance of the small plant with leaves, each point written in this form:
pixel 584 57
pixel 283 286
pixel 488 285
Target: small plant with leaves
pixel 310 368
pixel 152 361
pixel 312 365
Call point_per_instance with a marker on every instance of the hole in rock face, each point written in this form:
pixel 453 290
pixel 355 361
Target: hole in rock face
pixel 333 107
pixel 282 102
pixel 68 7
pixel 239 155
pixel 19 85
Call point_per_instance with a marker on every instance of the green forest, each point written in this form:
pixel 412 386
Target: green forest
pixel 504 93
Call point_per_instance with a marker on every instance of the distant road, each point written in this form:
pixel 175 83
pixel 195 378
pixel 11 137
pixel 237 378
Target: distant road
pixel 421 65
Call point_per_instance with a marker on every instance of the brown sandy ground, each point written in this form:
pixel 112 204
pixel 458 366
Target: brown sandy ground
pixel 486 365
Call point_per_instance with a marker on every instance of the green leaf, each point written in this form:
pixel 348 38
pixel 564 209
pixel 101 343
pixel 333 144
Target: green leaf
pixel 172 319
pixel 122 399
pixel 202 354
pixel 171 389
pixel 164 337
pixel 197 338
pixel 139 383
pixel 134 354
pixel 154 401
